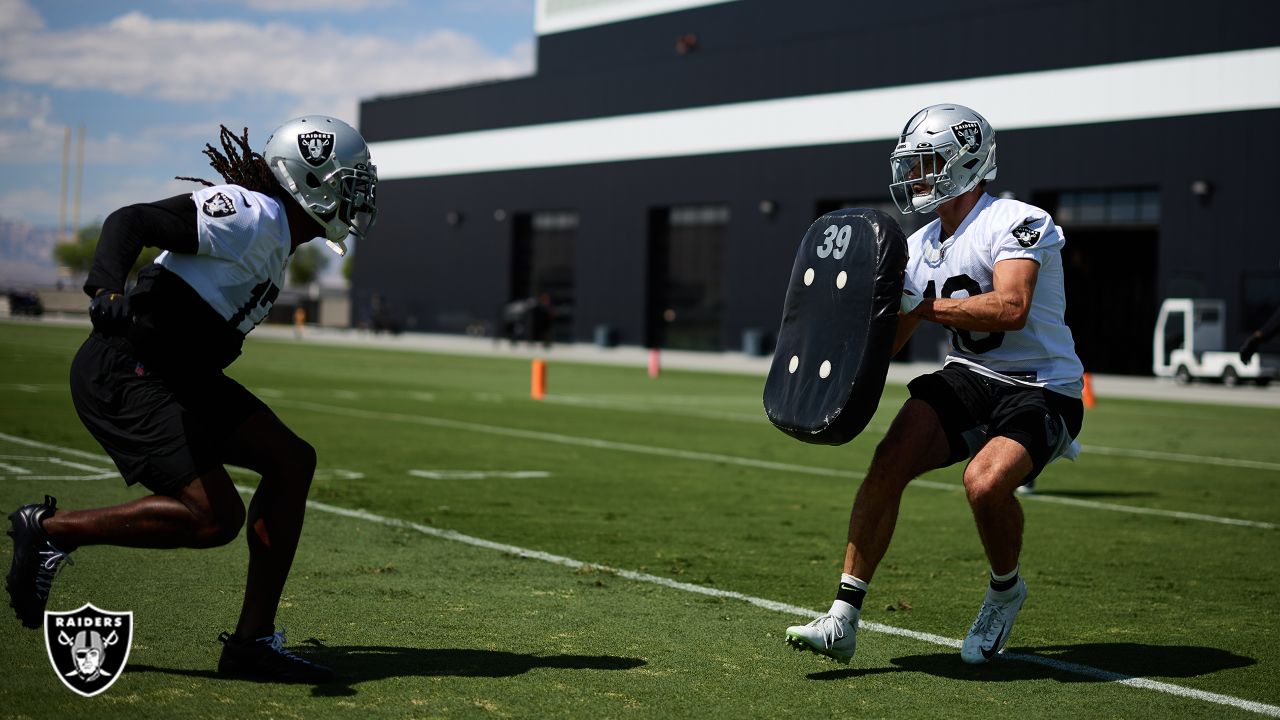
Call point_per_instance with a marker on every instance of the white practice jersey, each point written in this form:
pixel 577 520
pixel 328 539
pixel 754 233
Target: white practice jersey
pixel 1043 352
pixel 244 248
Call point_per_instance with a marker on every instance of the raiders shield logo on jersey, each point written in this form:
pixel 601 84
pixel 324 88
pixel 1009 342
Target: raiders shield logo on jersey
pixel 88 647
pixel 1025 236
pixel 969 134
pixel 316 147
pixel 219 206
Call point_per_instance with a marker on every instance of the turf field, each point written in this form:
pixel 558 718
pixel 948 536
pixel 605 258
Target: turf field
pixel 631 547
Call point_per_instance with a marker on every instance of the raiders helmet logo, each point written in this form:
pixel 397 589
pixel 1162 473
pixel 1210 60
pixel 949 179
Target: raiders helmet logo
pixel 968 134
pixel 316 147
pixel 219 206
pixel 88 647
pixel 1025 236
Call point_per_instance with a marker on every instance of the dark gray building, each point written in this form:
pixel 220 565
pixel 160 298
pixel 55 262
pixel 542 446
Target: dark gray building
pixel 654 176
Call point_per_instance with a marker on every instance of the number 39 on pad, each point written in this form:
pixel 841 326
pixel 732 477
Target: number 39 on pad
pixel 835 241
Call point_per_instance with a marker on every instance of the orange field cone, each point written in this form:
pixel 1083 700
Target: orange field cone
pixel 538 381
pixel 1087 395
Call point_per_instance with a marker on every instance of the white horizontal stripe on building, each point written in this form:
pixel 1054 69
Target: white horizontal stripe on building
pixel 1169 87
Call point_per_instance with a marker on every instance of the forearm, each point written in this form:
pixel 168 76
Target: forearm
pixel 907 325
pixel 988 312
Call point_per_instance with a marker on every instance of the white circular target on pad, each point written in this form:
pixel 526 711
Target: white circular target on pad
pixel 808 276
pixel 825 369
pixel 795 363
pixel 841 279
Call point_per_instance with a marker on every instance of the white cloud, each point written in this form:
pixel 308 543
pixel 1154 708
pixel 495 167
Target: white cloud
pixel 28 134
pixel 215 61
pixel 19 16
pixel 313 5
pixel 39 204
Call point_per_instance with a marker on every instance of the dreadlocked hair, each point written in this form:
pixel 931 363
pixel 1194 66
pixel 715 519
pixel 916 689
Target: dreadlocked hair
pixel 238 164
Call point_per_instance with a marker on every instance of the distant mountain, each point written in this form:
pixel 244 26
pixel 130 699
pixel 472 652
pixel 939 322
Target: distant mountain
pixel 26 255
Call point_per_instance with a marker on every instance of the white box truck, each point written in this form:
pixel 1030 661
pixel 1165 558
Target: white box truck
pixel 1188 344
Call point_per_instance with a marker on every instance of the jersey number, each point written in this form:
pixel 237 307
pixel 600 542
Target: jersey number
pixel 835 242
pixel 263 294
pixel 962 338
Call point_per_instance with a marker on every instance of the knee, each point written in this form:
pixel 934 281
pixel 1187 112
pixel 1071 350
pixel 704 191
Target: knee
pixel 293 460
pixel 214 529
pixel 982 482
pixel 303 457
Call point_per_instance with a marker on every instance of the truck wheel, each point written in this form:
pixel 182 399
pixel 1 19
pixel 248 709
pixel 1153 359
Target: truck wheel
pixel 1230 377
pixel 1263 381
pixel 1182 375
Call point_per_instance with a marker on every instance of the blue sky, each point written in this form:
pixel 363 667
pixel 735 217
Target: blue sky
pixel 151 81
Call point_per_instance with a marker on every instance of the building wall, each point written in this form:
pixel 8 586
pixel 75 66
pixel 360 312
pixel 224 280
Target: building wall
pixel 436 276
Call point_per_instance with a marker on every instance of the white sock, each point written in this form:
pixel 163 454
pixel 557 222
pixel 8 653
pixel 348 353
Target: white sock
pixel 859 583
pixel 840 608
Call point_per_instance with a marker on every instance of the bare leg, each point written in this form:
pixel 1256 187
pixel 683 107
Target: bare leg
pixel 206 513
pixel 286 462
pixel 914 444
pixel 989 481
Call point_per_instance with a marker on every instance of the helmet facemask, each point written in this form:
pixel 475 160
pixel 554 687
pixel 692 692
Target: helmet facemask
pixel 944 152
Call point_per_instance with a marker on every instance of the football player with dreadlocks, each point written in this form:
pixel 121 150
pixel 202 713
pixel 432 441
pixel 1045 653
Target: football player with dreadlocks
pixel 148 382
pixel 1008 397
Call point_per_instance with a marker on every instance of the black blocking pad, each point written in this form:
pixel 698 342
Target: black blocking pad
pixel 851 327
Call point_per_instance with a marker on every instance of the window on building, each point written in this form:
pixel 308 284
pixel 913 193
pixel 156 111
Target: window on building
pixel 686 276
pixel 1112 242
pixel 542 287
pixel 1108 207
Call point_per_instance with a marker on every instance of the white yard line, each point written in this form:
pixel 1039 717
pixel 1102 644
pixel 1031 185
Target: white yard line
pixel 757 417
pixel 1083 670
pixel 539 436
pixel 1074 668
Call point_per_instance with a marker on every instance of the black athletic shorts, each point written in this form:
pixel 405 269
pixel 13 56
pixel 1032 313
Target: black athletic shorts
pixel 162 432
pixel 973 407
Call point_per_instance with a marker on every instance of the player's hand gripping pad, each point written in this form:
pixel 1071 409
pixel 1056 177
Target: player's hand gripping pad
pixel 838 326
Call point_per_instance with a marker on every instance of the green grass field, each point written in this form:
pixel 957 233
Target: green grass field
pixel 588 555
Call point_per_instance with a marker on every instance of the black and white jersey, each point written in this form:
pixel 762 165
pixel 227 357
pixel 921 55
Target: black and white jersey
pixel 243 248
pixel 963 265
pixel 225 252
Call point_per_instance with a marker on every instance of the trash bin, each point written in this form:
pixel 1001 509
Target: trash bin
pixel 605 336
pixel 753 342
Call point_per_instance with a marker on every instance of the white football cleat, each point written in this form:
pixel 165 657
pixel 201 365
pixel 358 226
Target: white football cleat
pixel 991 629
pixel 830 635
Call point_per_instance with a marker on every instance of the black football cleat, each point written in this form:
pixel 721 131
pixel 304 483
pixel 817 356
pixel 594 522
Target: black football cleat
pixel 264 659
pixel 35 561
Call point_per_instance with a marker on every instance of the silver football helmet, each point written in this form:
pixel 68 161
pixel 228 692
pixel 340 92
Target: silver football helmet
pixel 324 164
pixel 944 152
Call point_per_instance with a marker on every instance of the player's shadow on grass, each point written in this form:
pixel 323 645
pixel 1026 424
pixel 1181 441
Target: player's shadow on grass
pixel 1095 493
pixel 357 664
pixel 1087 662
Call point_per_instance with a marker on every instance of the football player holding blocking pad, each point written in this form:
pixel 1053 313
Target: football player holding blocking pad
pixel 148 382
pixel 1007 399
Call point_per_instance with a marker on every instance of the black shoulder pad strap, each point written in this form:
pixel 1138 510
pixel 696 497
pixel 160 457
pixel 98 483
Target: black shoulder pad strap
pixel 838 326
